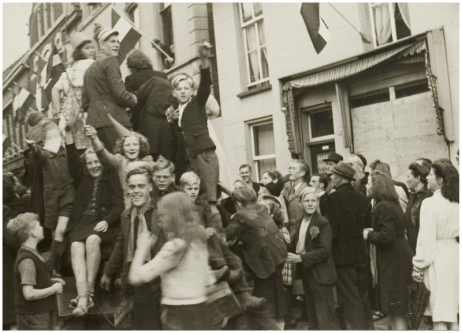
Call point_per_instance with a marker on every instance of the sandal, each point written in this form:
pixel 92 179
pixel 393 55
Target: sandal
pixel 80 310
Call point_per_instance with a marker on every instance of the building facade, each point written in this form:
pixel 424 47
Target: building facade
pixel 385 85
pixel 379 87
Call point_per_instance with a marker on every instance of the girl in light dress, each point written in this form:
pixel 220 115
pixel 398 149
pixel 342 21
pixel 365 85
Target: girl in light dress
pixel 67 92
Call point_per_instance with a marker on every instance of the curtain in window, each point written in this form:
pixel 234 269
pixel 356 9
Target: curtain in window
pixel 403 8
pixel 382 23
pixel 264 54
pixel 252 49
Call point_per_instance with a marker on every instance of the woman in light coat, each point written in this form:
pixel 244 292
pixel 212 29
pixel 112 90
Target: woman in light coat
pixel 436 262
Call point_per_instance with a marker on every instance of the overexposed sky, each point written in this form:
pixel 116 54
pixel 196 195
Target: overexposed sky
pixel 15 31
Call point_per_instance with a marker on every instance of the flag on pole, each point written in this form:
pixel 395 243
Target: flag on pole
pixel 128 35
pixel 21 103
pixel 317 29
pixel 54 69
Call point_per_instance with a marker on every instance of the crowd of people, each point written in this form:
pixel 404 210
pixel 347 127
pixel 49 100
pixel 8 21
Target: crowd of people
pixel 127 183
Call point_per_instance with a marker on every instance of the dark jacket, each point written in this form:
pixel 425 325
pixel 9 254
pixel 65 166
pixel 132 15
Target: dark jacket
pixel 194 119
pixel 118 259
pixel 104 92
pixel 394 255
pixel 264 247
pixel 154 98
pixel 412 215
pixel 110 200
pixel 294 210
pixel 318 257
pixel 348 213
pixel 134 81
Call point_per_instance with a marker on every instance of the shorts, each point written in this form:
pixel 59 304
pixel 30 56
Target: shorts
pixel 57 202
pixel 37 322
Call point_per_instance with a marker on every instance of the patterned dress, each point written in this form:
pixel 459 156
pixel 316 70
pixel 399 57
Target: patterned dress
pixel 71 83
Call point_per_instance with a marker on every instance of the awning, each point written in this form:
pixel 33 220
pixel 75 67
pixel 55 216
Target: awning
pixel 354 67
pixel 409 53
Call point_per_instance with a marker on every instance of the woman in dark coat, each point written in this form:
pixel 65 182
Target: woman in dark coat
pixel 94 221
pixel 264 249
pixel 103 89
pixel 394 252
pixel 141 70
pixel 154 98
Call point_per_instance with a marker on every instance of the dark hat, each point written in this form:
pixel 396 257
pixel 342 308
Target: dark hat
pixel 334 157
pixel 362 158
pixel 272 188
pixel 344 170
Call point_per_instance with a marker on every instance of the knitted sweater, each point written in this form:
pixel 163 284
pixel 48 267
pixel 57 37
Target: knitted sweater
pixel 184 272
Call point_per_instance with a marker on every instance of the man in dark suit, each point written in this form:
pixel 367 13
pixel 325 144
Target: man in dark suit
pixel 349 212
pixel 311 246
pixel 141 217
pixel 245 171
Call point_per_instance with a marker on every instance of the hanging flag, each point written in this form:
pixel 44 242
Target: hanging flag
pixel 21 104
pixel 55 68
pixel 128 35
pixel 317 29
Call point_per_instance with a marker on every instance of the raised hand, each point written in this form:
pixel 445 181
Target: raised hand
pixel 90 131
pixel 204 48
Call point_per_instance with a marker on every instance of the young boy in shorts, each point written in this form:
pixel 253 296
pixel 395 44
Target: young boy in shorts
pixel 192 123
pixel 35 307
pixel 58 191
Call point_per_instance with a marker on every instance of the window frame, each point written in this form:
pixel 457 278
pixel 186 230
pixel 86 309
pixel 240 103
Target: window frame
pixel 244 25
pixel 257 158
pixel 392 22
pixel 309 113
pixel 167 36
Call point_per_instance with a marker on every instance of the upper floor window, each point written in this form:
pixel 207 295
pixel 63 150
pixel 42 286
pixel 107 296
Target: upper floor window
pixel 390 22
pixel 167 44
pixel 94 6
pixel 255 44
pixel 40 22
pixel 263 147
pixel 134 14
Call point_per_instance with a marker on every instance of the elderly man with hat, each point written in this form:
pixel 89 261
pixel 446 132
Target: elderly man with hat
pixel 104 91
pixel 349 212
pixel 331 161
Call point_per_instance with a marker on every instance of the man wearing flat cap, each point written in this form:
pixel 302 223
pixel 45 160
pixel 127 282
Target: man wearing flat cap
pixel 348 213
pixel 331 161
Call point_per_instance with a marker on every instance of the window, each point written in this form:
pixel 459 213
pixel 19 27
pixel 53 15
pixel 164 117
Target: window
pixel 263 147
pixel 321 124
pixel 412 88
pixel 94 7
pixel 167 27
pixel 57 10
pixel 40 22
pixel 390 22
pixel 47 16
pixel 134 14
pixel 255 44
pixel 373 97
